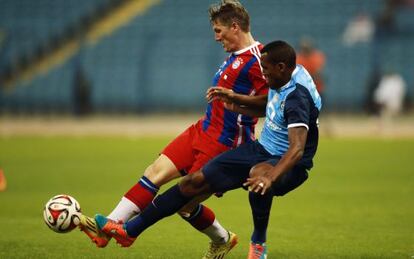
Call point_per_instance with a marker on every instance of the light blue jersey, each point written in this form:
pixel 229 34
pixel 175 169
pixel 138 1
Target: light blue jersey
pixel 296 104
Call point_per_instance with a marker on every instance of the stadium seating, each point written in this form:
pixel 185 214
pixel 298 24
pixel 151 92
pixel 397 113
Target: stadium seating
pixel 165 57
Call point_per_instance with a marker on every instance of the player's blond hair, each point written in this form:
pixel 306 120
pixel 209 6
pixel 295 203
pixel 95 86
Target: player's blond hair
pixel 229 11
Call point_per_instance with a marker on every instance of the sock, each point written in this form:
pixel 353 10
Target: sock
pixel 204 220
pixel 140 195
pixel 124 210
pixel 260 205
pixel 162 206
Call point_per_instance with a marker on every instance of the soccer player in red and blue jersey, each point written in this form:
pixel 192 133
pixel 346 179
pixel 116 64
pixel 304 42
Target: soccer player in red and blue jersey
pixel 218 131
pixel 274 165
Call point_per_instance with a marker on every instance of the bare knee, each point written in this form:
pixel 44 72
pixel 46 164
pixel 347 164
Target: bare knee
pixel 161 171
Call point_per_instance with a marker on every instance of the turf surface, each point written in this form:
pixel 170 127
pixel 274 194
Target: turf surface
pixel 357 203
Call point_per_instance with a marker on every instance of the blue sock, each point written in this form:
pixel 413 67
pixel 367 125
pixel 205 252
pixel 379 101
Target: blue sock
pixel 162 206
pixel 260 205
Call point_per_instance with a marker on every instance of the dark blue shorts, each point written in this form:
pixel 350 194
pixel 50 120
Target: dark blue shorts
pixel 230 170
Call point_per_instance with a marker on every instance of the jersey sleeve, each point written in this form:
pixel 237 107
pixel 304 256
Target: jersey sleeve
pixel 257 79
pixel 297 110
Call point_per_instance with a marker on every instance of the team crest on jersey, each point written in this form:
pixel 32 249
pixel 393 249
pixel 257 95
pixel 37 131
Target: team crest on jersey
pixel 237 63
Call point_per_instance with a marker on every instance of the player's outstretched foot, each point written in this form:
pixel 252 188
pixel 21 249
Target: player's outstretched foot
pixel 115 230
pixel 89 227
pixel 257 251
pixel 218 251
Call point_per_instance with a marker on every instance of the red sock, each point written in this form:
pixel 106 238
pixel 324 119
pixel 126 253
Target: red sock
pixel 201 218
pixel 142 193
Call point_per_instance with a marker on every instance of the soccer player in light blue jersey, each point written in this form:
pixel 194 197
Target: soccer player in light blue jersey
pixel 272 166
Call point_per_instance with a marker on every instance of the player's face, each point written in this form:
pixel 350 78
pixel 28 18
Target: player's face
pixel 226 35
pixel 271 72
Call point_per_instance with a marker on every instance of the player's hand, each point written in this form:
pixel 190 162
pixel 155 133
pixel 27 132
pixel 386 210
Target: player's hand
pixel 258 184
pixel 219 93
pixel 259 180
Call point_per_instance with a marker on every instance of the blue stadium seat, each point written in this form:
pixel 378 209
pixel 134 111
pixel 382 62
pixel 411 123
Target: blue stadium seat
pixel 166 58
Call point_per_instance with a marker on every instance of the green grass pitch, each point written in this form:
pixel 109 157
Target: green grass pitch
pixel 357 203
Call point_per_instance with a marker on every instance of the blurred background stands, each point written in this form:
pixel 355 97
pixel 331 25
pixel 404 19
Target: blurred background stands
pixel 128 56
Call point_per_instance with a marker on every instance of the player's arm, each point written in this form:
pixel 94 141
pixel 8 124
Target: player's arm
pixel 245 104
pixel 261 179
pixel 246 110
pixel 228 96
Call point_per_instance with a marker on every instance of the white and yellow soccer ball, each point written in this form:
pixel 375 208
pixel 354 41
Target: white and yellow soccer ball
pixel 62 213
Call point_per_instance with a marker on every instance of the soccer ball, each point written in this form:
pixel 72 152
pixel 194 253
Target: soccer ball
pixel 61 213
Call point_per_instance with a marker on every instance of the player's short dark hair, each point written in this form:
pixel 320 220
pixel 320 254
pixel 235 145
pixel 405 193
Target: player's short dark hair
pixel 280 51
pixel 229 11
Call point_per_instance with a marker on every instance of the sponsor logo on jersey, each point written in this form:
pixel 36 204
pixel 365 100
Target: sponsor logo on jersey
pixel 273 126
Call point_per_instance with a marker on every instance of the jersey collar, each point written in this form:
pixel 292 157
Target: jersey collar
pixel 290 81
pixel 247 48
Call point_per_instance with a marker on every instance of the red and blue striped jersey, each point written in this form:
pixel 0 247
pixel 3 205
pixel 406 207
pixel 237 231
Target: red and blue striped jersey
pixel 242 73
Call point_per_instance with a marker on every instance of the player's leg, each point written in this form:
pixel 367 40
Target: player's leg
pixel 226 172
pixel 203 219
pixel 200 216
pixel 261 206
pixel 163 205
pixel 176 156
pixel 141 194
pixel 220 172
pixel 289 181
pixel 234 167
pixel 135 200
